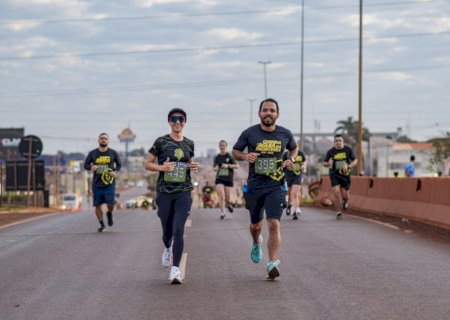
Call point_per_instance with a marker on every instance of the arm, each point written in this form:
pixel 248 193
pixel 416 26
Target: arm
pixel 117 162
pixel 151 165
pixel 249 157
pixel 88 163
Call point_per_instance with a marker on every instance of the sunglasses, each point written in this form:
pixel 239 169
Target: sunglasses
pixel 175 119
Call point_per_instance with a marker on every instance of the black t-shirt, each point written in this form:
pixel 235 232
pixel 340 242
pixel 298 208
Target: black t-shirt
pixel 224 174
pixel 108 160
pixel 179 152
pixel 340 157
pixel 267 170
pixel 299 159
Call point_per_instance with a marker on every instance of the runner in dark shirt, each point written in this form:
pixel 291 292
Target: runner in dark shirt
pixel 104 163
pixel 340 159
pixel 266 143
pixel 225 165
pixel 172 156
pixel 294 180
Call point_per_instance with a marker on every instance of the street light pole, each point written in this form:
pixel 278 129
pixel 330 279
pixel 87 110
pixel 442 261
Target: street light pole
pixel 265 63
pixel 251 109
pixel 301 77
pixel 360 156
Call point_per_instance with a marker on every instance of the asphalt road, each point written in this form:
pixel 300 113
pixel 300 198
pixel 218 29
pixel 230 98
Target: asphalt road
pixel 60 267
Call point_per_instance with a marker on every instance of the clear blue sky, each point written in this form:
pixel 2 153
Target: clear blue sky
pixel 71 69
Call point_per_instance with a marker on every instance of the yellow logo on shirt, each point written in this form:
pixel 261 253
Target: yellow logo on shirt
pixel 179 154
pixel 103 160
pixel 269 146
pixel 340 156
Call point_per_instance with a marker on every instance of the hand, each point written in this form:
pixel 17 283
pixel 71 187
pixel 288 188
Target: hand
pixel 251 157
pixel 93 168
pixel 194 166
pixel 288 164
pixel 225 165
pixel 345 167
pixel 303 168
pixel 112 173
pixel 330 162
pixel 168 166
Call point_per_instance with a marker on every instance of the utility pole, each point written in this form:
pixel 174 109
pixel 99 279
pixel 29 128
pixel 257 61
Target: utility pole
pixel 301 77
pixel 360 155
pixel 265 63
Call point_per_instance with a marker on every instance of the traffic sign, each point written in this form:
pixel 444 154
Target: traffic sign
pixel 30 147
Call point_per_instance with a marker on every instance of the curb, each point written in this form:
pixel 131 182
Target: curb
pixel 29 220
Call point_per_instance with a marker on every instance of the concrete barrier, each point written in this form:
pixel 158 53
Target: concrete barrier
pixel 421 199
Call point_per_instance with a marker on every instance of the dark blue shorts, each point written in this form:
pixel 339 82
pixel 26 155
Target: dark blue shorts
pixel 294 179
pixel 271 200
pixel 226 183
pixel 338 180
pixel 104 195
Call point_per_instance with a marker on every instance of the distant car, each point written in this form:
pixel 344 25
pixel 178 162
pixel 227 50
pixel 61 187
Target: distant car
pixel 71 202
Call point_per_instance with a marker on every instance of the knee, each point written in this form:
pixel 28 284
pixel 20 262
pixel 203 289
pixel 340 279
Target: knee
pixel 256 227
pixel 274 226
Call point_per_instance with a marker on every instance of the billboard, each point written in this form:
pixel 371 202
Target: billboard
pixel 17 175
pixel 9 142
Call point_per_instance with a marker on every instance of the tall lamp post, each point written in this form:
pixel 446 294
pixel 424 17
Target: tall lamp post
pixel 301 76
pixel 360 157
pixel 265 63
pixel 251 100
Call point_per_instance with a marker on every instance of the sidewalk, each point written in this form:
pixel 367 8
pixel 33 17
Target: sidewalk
pixel 13 216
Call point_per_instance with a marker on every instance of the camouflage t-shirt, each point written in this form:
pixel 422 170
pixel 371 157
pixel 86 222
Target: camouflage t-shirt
pixel 179 152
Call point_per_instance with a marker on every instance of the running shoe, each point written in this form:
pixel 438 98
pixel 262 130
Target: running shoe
pixel 339 215
pixel 222 216
pixel 345 205
pixel 273 270
pixel 101 229
pixel 230 208
pixel 166 259
pixel 288 211
pixel 295 216
pixel 256 252
pixel 175 276
pixel 110 218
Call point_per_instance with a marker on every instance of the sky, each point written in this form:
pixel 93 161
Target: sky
pixel 71 69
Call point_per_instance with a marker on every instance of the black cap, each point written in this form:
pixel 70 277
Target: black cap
pixel 177 110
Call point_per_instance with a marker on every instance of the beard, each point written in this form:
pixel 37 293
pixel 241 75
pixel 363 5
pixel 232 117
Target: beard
pixel 103 145
pixel 268 121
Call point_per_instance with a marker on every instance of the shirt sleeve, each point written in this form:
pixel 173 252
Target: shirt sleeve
pixel 291 144
pixel 154 150
pixel 351 155
pixel 88 161
pixel 242 142
pixel 117 162
pixel 328 156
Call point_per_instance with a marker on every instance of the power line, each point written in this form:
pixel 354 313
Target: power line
pixel 193 49
pixel 195 15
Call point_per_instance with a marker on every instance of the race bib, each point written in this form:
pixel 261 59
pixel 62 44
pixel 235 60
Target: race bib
pixel 339 164
pixel 223 172
pixel 177 175
pixel 265 165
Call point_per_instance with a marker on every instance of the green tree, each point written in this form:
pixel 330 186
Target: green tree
pixel 442 147
pixel 349 130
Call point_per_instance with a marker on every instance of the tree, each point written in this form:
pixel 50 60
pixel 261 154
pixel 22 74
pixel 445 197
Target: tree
pixel 349 130
pixel 405 139
pixel 442 147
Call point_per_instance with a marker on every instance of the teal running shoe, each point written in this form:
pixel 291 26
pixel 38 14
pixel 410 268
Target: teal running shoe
pixel 272 270
pixel 256 253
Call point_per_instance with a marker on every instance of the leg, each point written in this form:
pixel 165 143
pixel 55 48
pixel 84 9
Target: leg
pixel 255 231
pixel 182 209
pixel 220 188
pixel 228 198
pixel 293 196
pixel 165 214
pixel 99 213
pixel 274 242
pixel 337 198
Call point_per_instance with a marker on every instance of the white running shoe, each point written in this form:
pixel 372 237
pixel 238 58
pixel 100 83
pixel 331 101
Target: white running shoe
pixel 166 259
pixel 175 276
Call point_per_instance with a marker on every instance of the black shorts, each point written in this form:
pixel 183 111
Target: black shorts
pixel 270 199
pixel 226 183
pixel 294 179
pixel 338 180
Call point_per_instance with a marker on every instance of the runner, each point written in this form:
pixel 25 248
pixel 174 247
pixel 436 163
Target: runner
pixel 340 159
pixel 207 196
pixel 294 179
pixel 104 162
pixel 224 164
pixel 171 155
pixel 266 143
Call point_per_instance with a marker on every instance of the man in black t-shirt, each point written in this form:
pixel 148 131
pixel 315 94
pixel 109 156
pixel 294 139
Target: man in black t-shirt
pixel 266 143
pixel 340 159
pixel 104 163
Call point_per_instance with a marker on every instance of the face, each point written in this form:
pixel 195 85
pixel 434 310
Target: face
pixel 223 147
pixel 339 142
pixel 268 113
pixel 177 122
pixel 103 140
